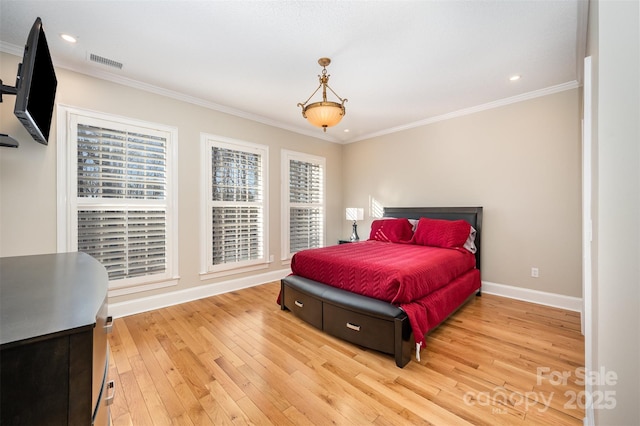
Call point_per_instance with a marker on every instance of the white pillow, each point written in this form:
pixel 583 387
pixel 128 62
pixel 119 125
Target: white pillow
pixel 470 243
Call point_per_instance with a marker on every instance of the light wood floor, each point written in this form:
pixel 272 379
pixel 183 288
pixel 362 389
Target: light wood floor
pixel 238 359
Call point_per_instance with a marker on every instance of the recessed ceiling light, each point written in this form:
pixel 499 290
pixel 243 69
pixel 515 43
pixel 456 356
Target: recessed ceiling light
pixel 346 130
pixel 68 38
pixel 514 77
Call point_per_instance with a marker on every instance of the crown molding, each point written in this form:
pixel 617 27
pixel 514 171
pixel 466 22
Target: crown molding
pixel 136 84
pixel 472 110
pixel 11 48
pixel 108 76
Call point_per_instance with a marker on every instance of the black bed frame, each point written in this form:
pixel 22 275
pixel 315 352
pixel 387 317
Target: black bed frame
pixel 370 323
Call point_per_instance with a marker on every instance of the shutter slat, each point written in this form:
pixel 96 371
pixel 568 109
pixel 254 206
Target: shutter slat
pixel 236 175
pixel 236 234
pixel 134 163
pixel 128 243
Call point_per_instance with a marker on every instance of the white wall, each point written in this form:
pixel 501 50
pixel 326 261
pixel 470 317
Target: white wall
pixel 520 162
pixel 28 174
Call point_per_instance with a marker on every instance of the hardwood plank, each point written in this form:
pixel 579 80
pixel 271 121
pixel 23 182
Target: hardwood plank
pixel 270 403
pixel 237 358
pixel 131 393
pixel 228 405
pixel 421 407
pixel 214 410
pixel 343 386
pixel 148 347
pixel 117 340
pixel 152 398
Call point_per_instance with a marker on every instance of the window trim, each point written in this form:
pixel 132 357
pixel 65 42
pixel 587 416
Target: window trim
pixel 286 157
pixel 68 203
pixel 208 270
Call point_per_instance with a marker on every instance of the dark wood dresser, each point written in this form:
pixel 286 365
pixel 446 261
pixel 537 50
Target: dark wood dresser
pixel 54 353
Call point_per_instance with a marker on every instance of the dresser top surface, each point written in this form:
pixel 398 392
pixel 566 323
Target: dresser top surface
pixel 49 293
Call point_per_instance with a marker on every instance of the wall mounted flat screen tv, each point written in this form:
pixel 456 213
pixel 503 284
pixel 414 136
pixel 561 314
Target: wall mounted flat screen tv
pixel 36 86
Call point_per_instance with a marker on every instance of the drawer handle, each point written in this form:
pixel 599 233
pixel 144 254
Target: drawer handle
pixel 353 327
pixel 299 304
pixel 111 387
pixel 108 326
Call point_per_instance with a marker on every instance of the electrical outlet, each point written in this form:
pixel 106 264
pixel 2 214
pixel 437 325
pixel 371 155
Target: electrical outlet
pixel 534 272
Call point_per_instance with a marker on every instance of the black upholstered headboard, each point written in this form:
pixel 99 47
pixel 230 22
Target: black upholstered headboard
pixel 473 215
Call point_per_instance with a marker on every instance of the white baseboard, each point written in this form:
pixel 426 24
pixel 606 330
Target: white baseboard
pixel 534 296
pixel 144 304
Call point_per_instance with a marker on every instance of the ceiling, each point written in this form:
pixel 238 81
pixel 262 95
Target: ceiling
pixel 399 63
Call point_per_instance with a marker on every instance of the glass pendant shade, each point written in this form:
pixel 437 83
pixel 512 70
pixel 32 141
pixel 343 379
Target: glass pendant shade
pixel 324 114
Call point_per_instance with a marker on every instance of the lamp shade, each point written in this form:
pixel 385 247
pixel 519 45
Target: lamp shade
pixel 354 213
pixel 324 114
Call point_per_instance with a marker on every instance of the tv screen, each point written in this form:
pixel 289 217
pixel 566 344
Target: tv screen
pixel 36 86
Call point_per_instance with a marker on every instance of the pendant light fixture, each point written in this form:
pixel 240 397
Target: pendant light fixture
pixel 324 113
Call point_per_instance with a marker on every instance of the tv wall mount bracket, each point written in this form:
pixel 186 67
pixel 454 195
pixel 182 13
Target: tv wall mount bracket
pixel 6 140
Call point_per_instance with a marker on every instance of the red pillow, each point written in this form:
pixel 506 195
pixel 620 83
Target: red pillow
pixel 391 230
pixel 441 233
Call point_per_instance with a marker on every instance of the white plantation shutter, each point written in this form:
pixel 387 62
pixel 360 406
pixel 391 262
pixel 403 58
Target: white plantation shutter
pixel 305 206
pixel 305 229
pixel 236 175
pixel 120 190
pixel 236 234
pixel 129 243
pixel 236 203
pixel 119 164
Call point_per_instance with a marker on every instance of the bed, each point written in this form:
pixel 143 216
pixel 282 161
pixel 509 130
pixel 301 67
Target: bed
pixel 377 293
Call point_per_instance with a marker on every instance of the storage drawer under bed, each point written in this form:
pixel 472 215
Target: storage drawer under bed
pixel 361 320
pixel 363 330
pixel 306 307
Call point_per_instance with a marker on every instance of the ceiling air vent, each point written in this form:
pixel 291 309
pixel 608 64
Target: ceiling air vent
pixel 105 61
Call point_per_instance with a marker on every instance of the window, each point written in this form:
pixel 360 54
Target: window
pixel 235 205
pixel 303 202
pixel 117 175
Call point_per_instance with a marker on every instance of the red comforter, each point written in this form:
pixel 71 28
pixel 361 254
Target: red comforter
pixel 406 275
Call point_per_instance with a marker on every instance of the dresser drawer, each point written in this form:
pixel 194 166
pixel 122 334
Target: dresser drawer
pixel 304 306
pixel 358 328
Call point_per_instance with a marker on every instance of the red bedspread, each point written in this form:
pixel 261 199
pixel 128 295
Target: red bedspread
pixel 406 275
pixel 395 273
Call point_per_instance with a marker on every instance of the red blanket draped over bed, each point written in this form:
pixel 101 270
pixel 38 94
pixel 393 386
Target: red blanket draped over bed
pixel 395 273
pixel 406 275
